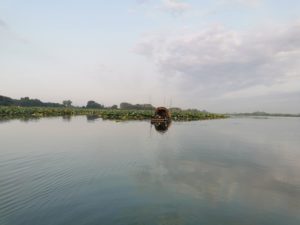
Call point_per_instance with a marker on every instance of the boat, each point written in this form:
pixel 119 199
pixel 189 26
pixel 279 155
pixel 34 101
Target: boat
pixel 161 114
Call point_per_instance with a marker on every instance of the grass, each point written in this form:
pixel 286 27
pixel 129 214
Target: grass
pixel 12 112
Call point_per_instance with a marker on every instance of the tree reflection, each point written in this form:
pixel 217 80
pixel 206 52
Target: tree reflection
pixel 66 118
pixel 92 118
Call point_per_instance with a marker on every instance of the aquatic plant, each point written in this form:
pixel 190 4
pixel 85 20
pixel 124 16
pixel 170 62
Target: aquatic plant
pixel 11 112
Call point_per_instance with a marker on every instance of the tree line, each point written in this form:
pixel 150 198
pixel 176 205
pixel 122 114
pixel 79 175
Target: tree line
pixel 28 102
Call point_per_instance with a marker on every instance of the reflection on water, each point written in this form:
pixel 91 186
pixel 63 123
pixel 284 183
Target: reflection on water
pixel 22 119
pixel 92 118
pixel 67 118
pixel 233 171
pixel 162 127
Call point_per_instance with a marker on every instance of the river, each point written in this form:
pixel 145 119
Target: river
pixel 86 171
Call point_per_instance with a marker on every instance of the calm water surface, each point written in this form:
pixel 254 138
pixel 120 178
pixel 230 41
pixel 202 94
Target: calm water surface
pixel 239 171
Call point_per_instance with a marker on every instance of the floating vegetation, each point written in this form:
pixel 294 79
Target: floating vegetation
pixel 12 112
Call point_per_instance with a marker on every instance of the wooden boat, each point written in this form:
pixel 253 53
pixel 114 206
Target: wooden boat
pixel 162 114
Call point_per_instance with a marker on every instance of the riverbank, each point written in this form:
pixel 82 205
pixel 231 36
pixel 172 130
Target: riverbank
pixel 12 112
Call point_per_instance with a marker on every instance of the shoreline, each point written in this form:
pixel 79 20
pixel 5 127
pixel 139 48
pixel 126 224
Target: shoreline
pixel 15 112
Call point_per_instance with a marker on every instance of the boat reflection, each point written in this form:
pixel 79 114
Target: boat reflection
pixel 161 127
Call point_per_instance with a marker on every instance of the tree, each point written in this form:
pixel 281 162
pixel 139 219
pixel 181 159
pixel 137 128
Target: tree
pixel 114 107
pixel 94 105
pixel 6 101
pixel 126 105
pixel 67 103
pixel 27 102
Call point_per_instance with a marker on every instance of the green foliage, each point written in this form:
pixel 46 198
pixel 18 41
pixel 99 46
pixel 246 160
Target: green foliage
pixel 10 112
pixel 6 101
pixel 94 105
pixel 67 103
pixel 126 105
pixel 26 102
pixel 190 115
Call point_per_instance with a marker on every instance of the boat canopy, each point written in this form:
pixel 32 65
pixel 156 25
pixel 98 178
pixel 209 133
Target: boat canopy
pixel 162 112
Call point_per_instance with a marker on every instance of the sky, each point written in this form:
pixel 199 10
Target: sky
pixel 215 55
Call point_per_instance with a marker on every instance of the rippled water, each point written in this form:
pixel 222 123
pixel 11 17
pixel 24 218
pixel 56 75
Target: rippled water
pixel 243 171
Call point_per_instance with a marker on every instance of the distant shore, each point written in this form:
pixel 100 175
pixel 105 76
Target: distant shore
pixel 263 114
pixel 16 112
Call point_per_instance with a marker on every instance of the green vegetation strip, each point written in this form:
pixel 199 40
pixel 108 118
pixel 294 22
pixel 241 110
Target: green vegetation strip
pixel 11 112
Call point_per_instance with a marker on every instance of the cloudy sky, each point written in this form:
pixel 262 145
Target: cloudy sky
pixel 221 55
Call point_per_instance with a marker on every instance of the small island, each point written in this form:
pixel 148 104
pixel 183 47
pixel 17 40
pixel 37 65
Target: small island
pixel 26 108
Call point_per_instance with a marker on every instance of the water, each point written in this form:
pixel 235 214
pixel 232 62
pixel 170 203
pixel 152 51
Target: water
pixel 243 171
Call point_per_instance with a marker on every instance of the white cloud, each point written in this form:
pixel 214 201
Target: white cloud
pixel 8 33
pixel 152 7
pixel 2 23
pixel 217 61
pixel 175 6
pixel 243 2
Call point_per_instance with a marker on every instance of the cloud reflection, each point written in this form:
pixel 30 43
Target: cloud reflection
pixel 239 172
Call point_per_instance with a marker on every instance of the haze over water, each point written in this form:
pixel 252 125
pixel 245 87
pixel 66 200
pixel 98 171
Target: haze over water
pixel 74 172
